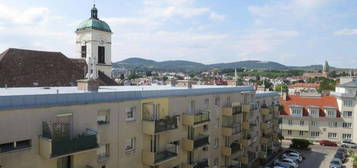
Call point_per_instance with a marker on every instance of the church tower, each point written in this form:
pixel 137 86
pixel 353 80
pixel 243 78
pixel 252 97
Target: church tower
pixel 94 43
pixel 326 69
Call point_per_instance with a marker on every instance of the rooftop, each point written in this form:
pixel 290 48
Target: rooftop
pixel 17 98
pixel 351 84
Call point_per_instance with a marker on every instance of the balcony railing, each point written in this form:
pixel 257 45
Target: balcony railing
pixel 200 164
pixel 201 141
pixel 157 158
pixel 192 144
pixel 235 147
pixel 193 119
pixel 161 125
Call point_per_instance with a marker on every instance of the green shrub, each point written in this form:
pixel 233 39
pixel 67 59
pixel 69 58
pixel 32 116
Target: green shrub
pixel 354 160
pixel 300 143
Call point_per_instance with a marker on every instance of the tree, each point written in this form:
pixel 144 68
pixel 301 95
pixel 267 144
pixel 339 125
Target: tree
pixel 281 87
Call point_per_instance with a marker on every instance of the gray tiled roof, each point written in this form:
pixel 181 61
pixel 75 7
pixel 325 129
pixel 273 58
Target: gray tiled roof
pixel 351 84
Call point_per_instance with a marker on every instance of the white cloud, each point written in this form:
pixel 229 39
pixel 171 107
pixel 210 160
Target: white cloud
pixel 178 8
pixel 262 41
pixel 33 15
pixel 346 32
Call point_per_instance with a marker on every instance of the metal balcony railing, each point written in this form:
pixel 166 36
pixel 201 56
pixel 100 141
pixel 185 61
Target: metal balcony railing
pixel 201 117
pixel 201 141
pixel 164 155
pixel 165 124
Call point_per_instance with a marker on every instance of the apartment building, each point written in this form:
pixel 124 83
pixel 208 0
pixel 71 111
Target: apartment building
pixel 135 126
pixel 321 118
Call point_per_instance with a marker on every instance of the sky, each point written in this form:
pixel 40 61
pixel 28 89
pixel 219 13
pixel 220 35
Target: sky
pixel 291 32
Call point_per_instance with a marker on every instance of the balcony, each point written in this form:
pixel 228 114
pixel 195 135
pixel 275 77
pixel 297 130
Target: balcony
pixel 230 127
pixel 248 158
pixel 55 144
pixel 246 141
pixel 246 108
pixel 152 127
pixel 265 140
pixel 195 119
pixel 190 145
pixel 230 111
pixel 231 150
pixel 158 158
pixel 266 127
pixel 245 125
pixel 198 164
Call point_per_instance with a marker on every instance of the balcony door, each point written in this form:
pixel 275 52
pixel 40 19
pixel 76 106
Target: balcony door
pixel 151 111
pixel 65 162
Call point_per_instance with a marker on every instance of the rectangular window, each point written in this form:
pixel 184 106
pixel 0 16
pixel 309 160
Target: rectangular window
pixel 301 133
pixel 314 123
pixel 347 136
pixel 130 114
pixel 217 101
pixel 302 122
pixel 130 146
pixel 101 55
pixel 347 114
pixel 103 117
pixel 347 125
pixel 84 51
pixel 103 152
pixel 289 132
pixel 315 134
pixel 331 135
pixel 331 113
pixel 206 103
pixel 332 124
pixel 296 112
pixel 348 103
pixel 17 145
pixel 290 122
pixel 314 112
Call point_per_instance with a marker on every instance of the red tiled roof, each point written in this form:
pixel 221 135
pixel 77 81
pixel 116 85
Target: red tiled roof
pixel 307 85
pixel 321 102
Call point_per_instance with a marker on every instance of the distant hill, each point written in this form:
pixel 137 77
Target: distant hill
pixel 141 64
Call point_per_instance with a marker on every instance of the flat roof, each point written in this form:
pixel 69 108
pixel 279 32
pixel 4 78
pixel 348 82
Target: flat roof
pixel 17 98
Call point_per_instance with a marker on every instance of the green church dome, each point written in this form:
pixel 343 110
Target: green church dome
pixel 94 23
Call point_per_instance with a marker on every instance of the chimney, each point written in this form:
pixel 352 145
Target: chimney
pixel 87 85
pixel 285 96
pixel 189 84
pixel 173 82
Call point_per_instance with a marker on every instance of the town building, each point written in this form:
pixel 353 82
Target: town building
pixel 137 126
pixel 304 89
pixel 321 118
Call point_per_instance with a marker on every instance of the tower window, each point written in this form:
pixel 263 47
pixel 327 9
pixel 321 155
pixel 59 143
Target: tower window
pixel 84 51
pixel 101 55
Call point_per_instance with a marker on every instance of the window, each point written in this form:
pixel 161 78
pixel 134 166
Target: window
pixel 346 136
pixel 301 133
pixel 302 122
pixel 130 146
pixel 347 125
pixel 289 132
pixel 217 101
pixel 347 114
pixel 331 135
pixel 296 112
pixel 315 134
pixel 103 117
pixel 16 145
pixel 290 122
pixel 103 152
pixel 332 124
pixel 216 143
pixel 130 114
pixel 206 103
pixel 314 112
pixel 84 51
pixel 348 103
pixel 331 113
pixel 314 123
pixel 101 55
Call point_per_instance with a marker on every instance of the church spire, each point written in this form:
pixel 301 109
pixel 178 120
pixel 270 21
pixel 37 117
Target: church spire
pixel 94 12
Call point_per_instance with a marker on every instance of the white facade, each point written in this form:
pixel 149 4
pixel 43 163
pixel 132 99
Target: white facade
pixel 93 39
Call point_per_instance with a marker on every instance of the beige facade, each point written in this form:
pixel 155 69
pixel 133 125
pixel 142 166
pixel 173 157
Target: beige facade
pixel 228 129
